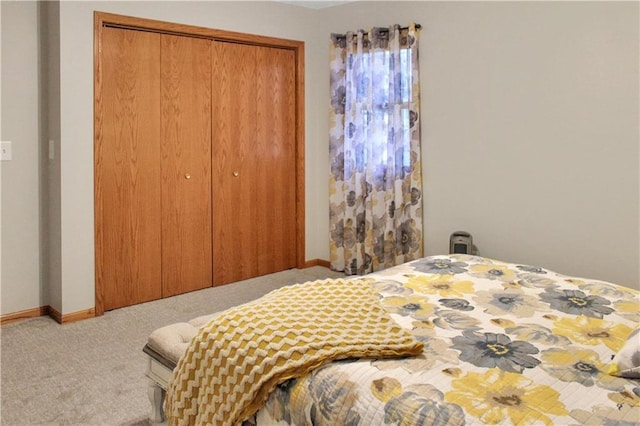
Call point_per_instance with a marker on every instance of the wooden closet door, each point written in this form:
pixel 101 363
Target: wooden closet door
pixel 254 179
pixel 275 160
pixel 127 170
pixel 234 182
pixel 186 164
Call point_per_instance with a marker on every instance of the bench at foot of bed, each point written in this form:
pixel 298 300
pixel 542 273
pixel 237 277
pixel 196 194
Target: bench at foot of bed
pixel 164 348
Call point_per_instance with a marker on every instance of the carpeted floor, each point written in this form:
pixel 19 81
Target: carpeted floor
pixel 92 372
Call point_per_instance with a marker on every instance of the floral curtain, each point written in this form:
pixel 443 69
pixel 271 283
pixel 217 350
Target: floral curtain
pixel 375 180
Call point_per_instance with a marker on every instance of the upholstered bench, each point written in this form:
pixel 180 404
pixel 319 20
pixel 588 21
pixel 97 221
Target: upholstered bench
pixel 164 347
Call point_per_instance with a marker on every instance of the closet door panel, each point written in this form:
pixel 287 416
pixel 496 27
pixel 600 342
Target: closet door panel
pixel 234 162
pixel 254 154
pixel 127 164
pixel 275 152
pixel 186 164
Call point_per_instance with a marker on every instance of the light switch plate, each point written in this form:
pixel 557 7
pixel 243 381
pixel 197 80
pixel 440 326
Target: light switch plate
pixel 5 150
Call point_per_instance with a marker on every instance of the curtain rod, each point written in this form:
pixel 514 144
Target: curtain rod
pixel 381 29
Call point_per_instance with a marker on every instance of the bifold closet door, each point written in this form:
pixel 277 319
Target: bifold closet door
pixel 153 167
pixel 127 162
pixel 276 160
pixel 254 179
pixel 186 164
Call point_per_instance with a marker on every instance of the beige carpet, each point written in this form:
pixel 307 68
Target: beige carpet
pixel 92 372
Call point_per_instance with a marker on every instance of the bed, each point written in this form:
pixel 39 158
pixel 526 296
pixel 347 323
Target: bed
pixel 500 343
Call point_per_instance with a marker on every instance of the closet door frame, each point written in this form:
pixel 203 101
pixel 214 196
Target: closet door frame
pixel 103 20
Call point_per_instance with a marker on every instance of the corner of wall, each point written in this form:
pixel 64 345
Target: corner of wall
pixel 50 244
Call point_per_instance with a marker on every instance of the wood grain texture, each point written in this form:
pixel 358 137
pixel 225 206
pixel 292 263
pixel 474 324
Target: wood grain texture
pixel 316 262
pixel 300 157
pixel 97 147
pixel 275 160
pixel 255 138
pixel 186 164
pixel 50 311
pixel 127 167
pixel 71 317
pixel 193 31
pixel 104 24
pixel 23 315
pixel 234 184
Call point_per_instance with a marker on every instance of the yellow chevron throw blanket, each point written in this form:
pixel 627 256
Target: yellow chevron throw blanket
pixel 239 357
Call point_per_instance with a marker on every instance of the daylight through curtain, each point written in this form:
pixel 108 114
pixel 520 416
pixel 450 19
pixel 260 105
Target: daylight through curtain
pixel 375 180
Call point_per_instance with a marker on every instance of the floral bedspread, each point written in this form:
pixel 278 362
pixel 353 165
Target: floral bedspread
pixel 503 344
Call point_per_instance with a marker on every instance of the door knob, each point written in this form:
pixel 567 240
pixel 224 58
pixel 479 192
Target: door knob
pixel 235 173
pixel 187 176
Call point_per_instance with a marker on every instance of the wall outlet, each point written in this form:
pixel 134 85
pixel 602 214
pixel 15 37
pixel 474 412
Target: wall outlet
pixel 5 150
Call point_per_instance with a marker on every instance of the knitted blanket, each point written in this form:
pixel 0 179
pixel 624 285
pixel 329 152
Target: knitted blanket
pixel 239 357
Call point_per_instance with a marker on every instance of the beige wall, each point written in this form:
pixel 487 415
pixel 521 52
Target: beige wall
pixel 21 284
pixel 530 128
pixel 530 131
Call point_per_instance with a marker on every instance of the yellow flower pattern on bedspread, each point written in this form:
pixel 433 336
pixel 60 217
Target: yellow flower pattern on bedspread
pixel 238 358
pixel 503 344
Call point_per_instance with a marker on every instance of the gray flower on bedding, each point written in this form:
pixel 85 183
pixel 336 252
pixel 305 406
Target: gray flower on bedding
pixel 328 389
pixel 606 289
pixel 579 365
pixel 416 404
pixel 535 281
pixel 390 287
pixel 440 266
pixel 577 303
pixel 625 415
pixel 454 320
pixel 535 333
pixel 490 350
pixel 457 304
pixel 278 404
pixel 532 269
pixel 507 302
pixel 426 411
pixel 313 399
